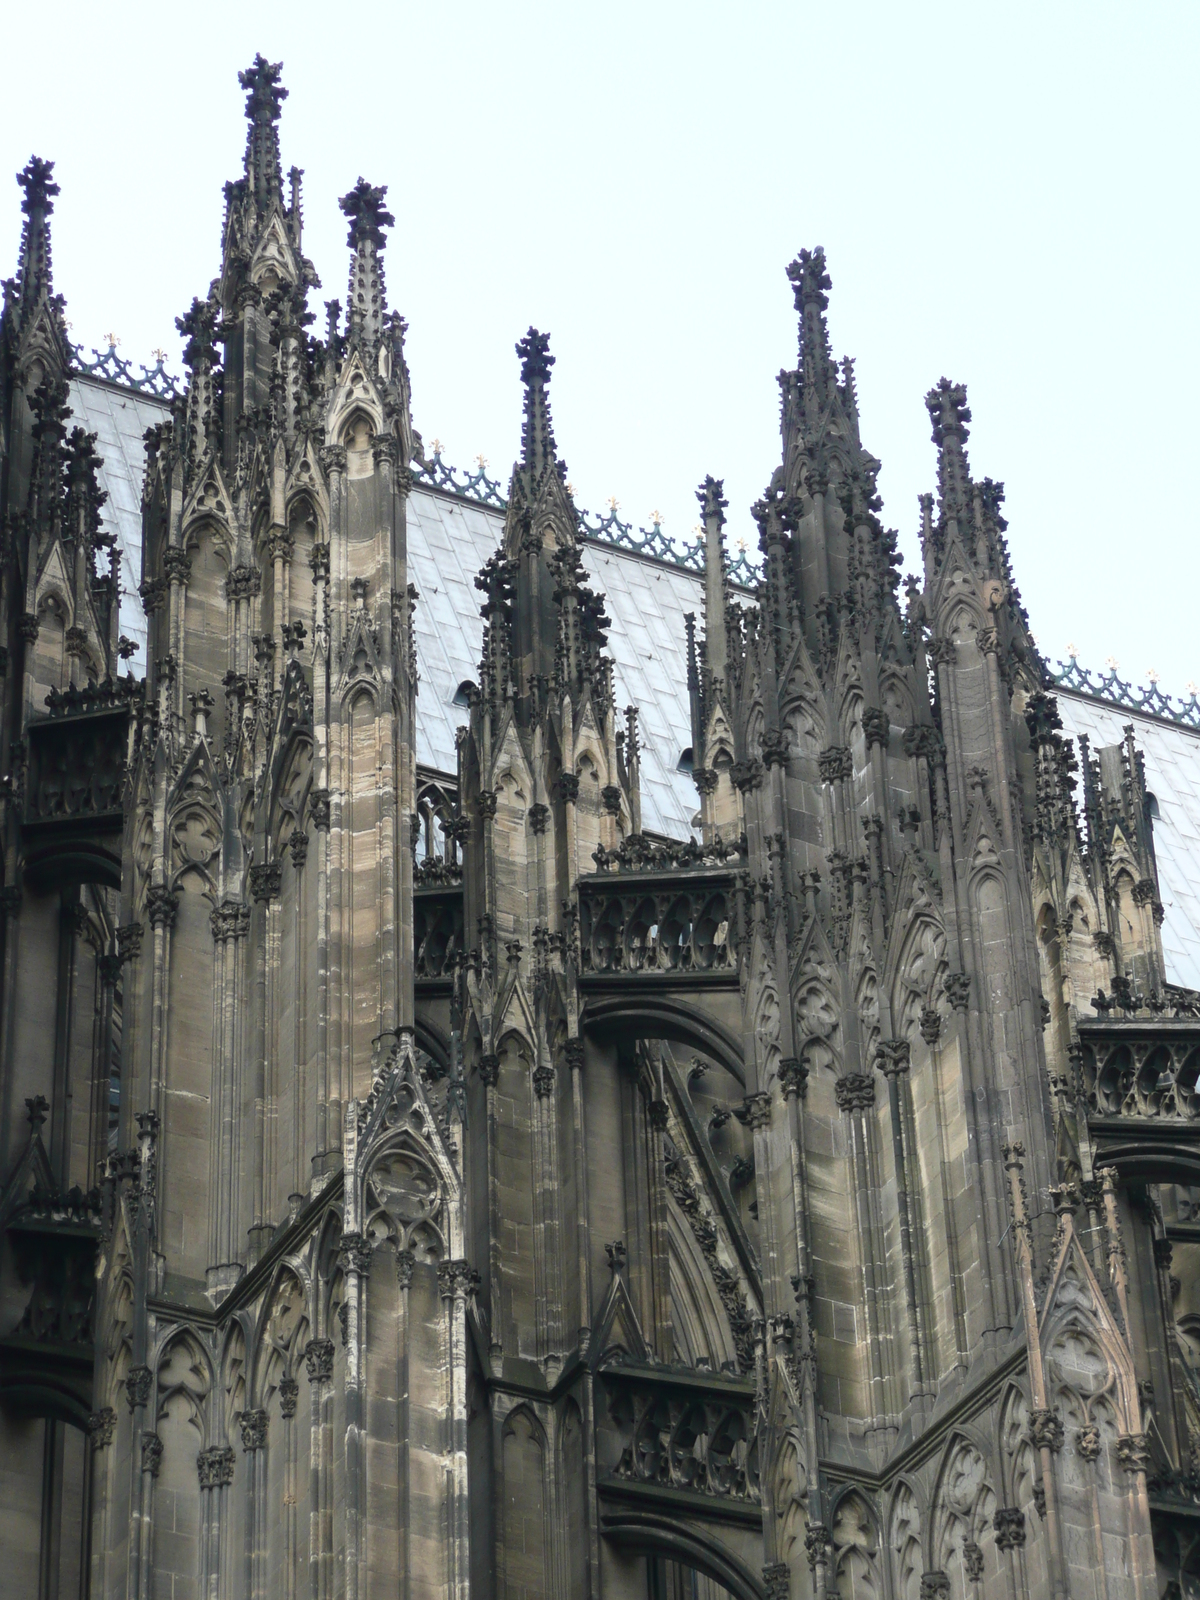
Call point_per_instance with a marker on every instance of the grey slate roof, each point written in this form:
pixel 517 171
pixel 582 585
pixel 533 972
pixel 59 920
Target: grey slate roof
pixel 449 539
pixel 1172 757
pixel 119 418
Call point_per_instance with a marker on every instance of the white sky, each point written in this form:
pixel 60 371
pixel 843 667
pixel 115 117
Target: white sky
pixel 1006 194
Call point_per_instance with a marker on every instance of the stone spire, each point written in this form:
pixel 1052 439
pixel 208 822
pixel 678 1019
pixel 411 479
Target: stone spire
pixel 264 98
pixel 34 281
pixel 538 450
pixel 199 326
pixel 368 218
pixel 811 284
pixel 712 500
pixel 950 414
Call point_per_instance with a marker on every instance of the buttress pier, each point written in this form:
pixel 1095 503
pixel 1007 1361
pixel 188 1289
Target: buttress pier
pixel 537 1136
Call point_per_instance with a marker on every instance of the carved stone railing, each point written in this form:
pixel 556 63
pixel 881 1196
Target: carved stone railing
pixel 1115 691
pixel 437 932
pixel 649 923
pixel 639 853
pixel 154 380
pixel 1144 1068
pixel 71 770
pixel 686 1429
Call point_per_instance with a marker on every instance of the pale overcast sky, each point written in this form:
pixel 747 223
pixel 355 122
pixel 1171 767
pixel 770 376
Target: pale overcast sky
pixel 1006 194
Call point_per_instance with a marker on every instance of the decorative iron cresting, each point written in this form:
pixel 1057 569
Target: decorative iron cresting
pixel 1115 691
pixel 607 529
pixel 155 380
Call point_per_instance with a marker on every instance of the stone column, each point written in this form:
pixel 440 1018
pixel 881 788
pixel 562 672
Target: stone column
pixel 318 1364
pixel 214 1467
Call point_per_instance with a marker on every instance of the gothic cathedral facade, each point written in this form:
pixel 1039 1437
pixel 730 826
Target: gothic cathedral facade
pixel 450 1185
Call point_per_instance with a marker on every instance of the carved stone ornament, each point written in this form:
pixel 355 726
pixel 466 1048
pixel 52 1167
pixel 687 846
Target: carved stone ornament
pixel 229 920
pixel 318 1360
pixel 1133 1452
pixel 747 775
pixel 543 1081
pixel 333 458
pixel 355 1253
pixel 892 1056
pixel 616 1256
pixel 566 787
pixel 406 1260
pixel 876 727
pixel 137 1386
pixel 253 1426
pixel 816 1543
pixel 793 1077
pixel 931 1025
pixel 957 988
pixel 162 906
pixel 152 1449
pixel 1087 1442
pixel 27 627
pixel 705 779
pixel 242 583
pixel 487 803
pixel 489 1069
pixel 214 1467
pixel 775 749
pixel 177 565
pixel 855 1092
pixel 538 815
pixel 1045 1429
pixel 1009 1523
pixel 102 1425
pixel 758 1110
pixel 573 1054
pixel 298 845
pixel 935 1586
pixel 658 1113
pixel 289 1391
pixel 153 592
pixel 318 806
pixel 611 796
pixel 266 880
pixel 129 940
pixel 835 763
pixel 776 1581
pixel 972 1560
pixel 456 1279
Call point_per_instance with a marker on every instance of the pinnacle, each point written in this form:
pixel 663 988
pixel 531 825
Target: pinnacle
pixel 364 206
pixel 538 450
pixel 810 286
pixel 536 360
pixel 711 495
pixel 37 180
pixel 265 93
pixel 810 281
pixel 947 405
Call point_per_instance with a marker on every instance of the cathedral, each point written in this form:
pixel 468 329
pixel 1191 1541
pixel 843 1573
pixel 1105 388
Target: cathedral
pixel 537 1061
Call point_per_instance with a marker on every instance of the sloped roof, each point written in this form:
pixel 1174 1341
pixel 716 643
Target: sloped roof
pixel 119 417
pixel 449 539
pixel 448 542
pixel 1172 755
